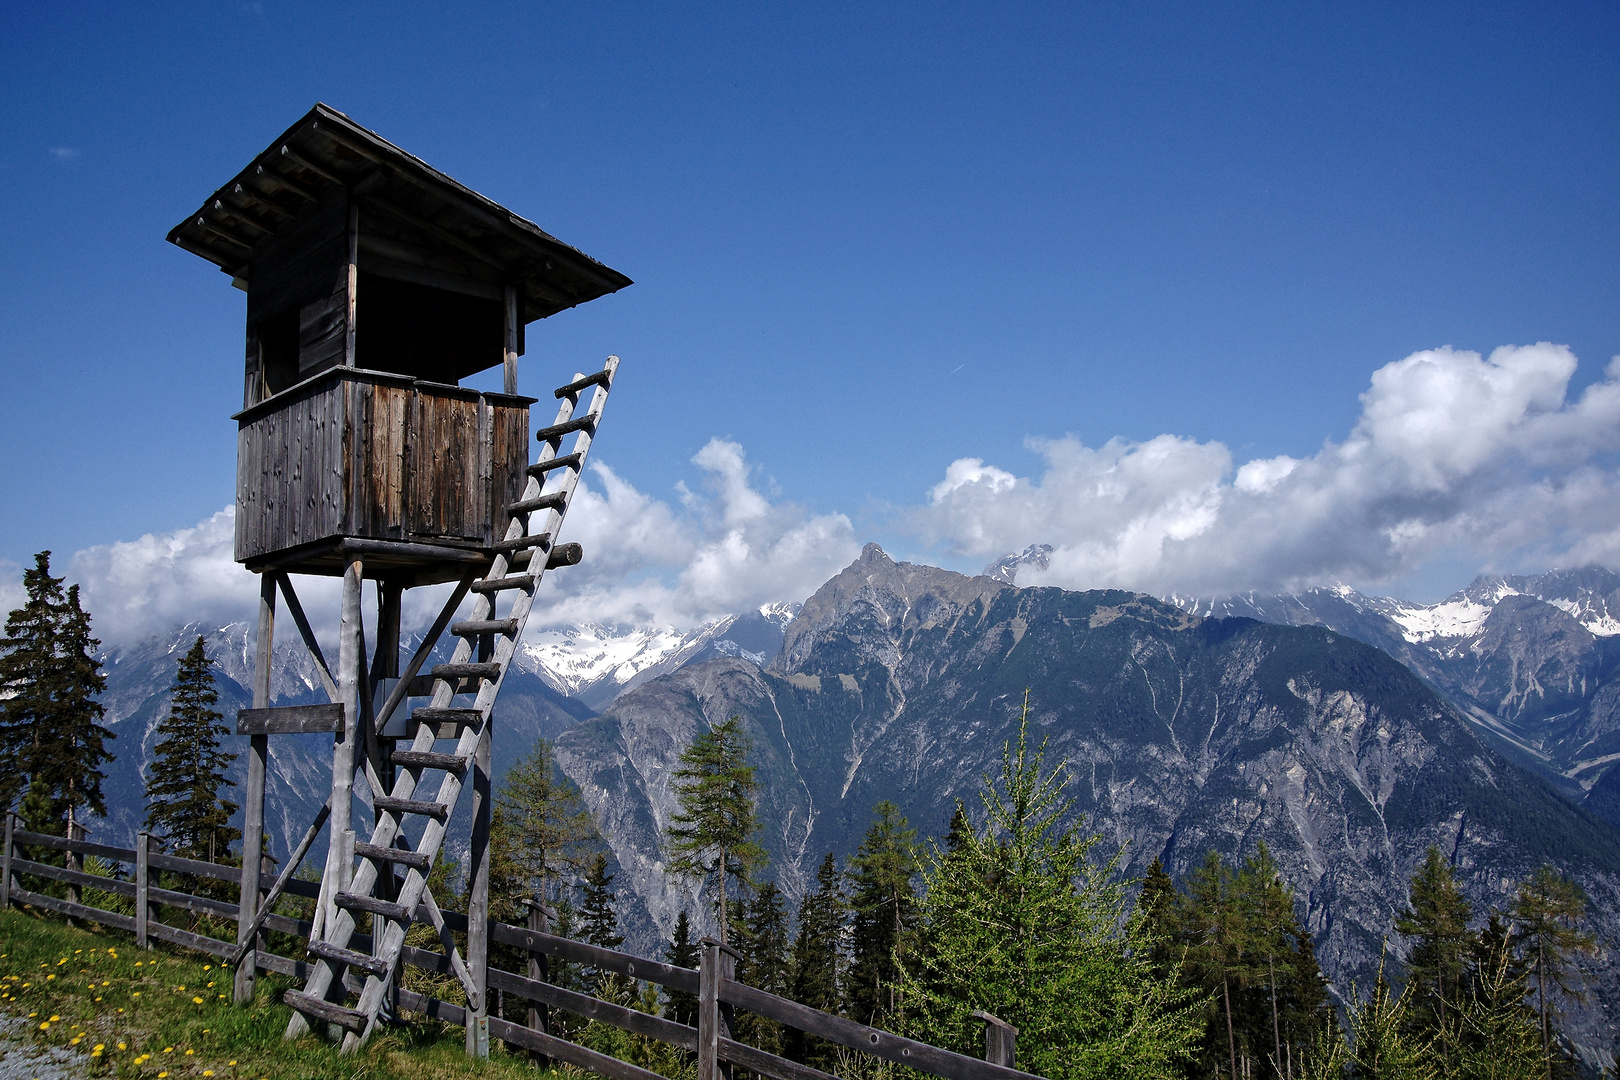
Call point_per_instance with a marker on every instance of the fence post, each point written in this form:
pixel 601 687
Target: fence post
pixel 539 971
pixel 1000 1040
pixel 5 865
pixel 142 843
pixel 714 1015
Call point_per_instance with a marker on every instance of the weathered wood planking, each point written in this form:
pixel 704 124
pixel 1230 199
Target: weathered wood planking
pixel 290 720
pixel 373 455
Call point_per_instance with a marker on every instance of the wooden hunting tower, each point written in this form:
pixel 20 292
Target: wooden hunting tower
pixel 375 284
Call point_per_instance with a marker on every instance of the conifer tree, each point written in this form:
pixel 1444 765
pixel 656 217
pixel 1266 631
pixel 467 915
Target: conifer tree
pixel 188 767
pixel 544 832
pixel 1022 923
pixel 884 905
pixel 711 835
pixel 1157 903
pixel 1436 923
pixel 1499 1033
pixel 598 921
pixel 50 727
pixel 681 951
pixel 765 965
pixel 818 961
pixel 1380 1046
pixel 1549 909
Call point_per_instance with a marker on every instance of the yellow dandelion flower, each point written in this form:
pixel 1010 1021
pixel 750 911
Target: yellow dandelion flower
pixel 104 982
pixel 123 1046
pixel 136 994
pixel 208 967
pixel 98 997
pixel 46 1026
pixel 208 1072
pixel 163 1074
pixel 32 1015
pixel 195 1001
pixel 231 1062
pixel 54 1019
pixel 190 1052
pixel 48 978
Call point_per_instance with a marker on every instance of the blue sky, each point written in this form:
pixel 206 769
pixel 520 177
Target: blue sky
pixel 868 241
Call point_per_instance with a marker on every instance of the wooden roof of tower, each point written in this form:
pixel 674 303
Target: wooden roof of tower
pixel 421 206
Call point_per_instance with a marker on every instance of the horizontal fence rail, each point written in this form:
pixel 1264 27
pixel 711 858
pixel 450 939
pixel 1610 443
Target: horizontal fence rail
pixel 712 983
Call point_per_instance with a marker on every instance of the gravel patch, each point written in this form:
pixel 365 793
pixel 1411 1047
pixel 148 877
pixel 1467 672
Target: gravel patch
pixel 21 1059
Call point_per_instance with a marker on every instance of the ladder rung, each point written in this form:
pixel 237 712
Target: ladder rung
pixel 414 859
pixel 601 378
pixel 561 555
pixel 465 717
pixel 567 461
pixel 556 500
pixel 557 431
pixel 514 581
pixel 361 902
pixel 410 806
pixel 491 671
pixel 476 627
pixel 310 1005
pixel 321 950
pixel 427 759
pixel 523 543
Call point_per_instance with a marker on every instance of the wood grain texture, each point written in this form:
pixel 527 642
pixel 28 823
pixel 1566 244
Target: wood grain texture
pixel 290 720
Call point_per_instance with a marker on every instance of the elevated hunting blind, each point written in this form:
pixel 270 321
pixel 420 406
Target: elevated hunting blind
pixel 375 284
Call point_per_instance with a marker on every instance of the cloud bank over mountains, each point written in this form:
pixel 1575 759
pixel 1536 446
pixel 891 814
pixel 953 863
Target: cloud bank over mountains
pixel 722 548
pixel 1483 461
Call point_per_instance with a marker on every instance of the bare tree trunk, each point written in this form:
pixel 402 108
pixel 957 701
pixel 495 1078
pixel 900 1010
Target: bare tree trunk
pixel 1276 1027
pixel 1231 1039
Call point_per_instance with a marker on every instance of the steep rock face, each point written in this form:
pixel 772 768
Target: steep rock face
pixel 1532 662
pixel 1182 735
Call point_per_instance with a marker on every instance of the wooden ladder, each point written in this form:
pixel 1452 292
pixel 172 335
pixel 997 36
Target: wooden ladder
pixel 520 561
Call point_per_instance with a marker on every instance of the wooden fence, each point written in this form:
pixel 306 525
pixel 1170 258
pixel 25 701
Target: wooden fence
pixel 719 995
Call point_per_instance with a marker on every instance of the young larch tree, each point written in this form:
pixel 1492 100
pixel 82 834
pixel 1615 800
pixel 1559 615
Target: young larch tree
pixel 711 835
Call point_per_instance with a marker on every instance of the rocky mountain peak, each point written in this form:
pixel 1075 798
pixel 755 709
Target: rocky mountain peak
pixel 874 591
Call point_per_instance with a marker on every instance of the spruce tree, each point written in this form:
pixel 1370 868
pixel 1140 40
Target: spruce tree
pixel 765 964
pixel 818 962
pixel 1157 903
pixel 188 767
pixel 884 905
pixel 711 835
pixel 1549 909
pixel 1435 922
pixel 598 921
pixel 682 951
pixel 50 727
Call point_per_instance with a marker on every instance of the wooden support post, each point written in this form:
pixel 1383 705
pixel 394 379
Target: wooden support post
pixel 539 971
pixel 336 877
pixel 514 323
pixel 5 864
pixel 253 804
pixel 478 898
pixel 715 1017
pixel 143 844
pixel 353 283
pixel 1000 1040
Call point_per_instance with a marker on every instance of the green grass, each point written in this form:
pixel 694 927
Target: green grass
pixel 167 1013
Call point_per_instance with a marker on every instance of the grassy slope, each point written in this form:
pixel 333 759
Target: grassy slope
pixel 167 1013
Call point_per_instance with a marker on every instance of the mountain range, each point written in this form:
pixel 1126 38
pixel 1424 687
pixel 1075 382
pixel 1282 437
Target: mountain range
pixel 1346 732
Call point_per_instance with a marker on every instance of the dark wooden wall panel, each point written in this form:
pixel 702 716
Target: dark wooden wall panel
pixel 363 454
pixel 445 497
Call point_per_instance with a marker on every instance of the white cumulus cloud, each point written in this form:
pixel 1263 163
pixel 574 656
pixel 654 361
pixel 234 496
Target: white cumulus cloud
pixel 1483 459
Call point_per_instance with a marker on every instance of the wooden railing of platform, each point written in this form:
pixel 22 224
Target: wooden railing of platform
pixel 719 994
